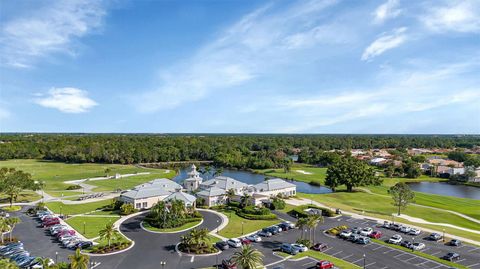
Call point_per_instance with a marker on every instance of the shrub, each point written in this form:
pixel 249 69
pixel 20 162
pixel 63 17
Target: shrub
pixel 337 230
pixel 251 210
pixel 304 242
pixel 299 212
pixel 256 217
pixel 277 204
pixel 127 209
pixel 74 187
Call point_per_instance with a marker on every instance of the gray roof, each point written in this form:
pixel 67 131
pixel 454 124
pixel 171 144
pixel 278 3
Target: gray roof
pixel 213 191
pixel 225 183
pixel 140 193
pixel 164 183
pixel 273 184
pixel 187 198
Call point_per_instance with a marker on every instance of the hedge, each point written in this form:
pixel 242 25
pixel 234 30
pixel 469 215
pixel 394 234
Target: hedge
pixel 256 217
pixel 299 212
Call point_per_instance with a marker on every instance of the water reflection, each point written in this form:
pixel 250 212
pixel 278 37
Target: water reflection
pixel 442 188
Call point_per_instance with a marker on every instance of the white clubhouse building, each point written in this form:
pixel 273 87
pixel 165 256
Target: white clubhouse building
pixel 213 191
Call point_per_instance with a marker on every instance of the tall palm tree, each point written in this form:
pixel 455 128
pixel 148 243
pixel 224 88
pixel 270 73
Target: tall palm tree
pixel 4 227
pixel 248 258
pixel 245 200
pixel 44 262
pixel 108 233
pixel 230 194
pixel 312 223
pixel 301 224
pixel 78 260
pixel 12 222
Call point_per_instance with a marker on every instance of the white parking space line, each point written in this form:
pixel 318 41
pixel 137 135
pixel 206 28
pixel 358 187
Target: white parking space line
pixel 348 256
pixel 473 249
pixel 411 258
pixel 435 253
pixel 193 257
pixel 307 263
pixel 379 247
pixel 460 260
pixel 401 254
pixel 472 265
pixel 336 253
pixel 358 260
pixel 367 265
pixel 388 251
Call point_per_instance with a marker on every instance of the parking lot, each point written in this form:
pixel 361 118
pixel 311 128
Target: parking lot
pixel 469 255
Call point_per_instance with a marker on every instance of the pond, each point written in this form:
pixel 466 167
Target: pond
pixel 443 188
pixel 252 178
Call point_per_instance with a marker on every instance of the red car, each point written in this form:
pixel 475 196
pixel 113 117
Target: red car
pixel 324 265
pixel 376 234
pixel 51 222
pixel 65 232
pixel 320 247
pixel 245 241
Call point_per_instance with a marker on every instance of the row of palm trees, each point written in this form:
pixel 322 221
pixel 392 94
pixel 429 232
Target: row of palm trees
pixel 311 222
pixel 7 225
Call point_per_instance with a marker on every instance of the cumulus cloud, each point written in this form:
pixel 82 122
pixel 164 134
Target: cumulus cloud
pixel 46 30
pixel 457 16
pixel 384 43
pixel 67 100
pixel 385 11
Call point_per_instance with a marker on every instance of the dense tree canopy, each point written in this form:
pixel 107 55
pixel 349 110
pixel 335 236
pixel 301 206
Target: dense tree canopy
pixel 240 151
pixel 12 182
pixel 352 173
pixel 402 195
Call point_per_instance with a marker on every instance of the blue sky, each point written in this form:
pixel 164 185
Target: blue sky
pixel 237 66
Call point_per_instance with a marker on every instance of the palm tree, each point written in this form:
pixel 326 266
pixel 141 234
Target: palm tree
pixel 78 260
pixel 12 222
pixel 248 258
pixel 245 200
pixel 108 233
pixel 7 264
pixel 230 194
pixel 44 262
pixel 218 172
pixel 4 227
pixel 312 223
pixel 301 224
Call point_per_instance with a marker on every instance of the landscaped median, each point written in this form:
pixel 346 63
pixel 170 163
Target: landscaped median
pixel 181 228
pixel 320 256
pixel 421 254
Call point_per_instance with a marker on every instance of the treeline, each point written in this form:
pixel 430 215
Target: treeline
pixel 240 151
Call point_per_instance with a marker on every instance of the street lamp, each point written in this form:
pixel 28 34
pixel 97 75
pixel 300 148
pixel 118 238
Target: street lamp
pixel 413 244
pixel 60 210
pixel 218 221
pixel 393 218
pixel 364 261
pixel 443 235
pixel 162 263
pixel 242 227
pixel 56 257
pixel 84 227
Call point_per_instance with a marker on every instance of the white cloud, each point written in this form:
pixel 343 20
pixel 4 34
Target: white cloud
pixel 384 43
pixel 67 100
pixel 385 11
pixel 456 16
pixel 243 52
pixel 52 28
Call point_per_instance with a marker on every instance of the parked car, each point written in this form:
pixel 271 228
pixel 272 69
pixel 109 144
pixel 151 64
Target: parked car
pixel 363 240
pixel 395 227
pixel 37 264
pixel 376 234
pixel 300 247
pixel 435 237
pixel 345 234
pixel 405 229
pixel 265 233
pixel 87 244
pixel 222 245
pixel 229 264
pixel 395 239
pixel 254 238
pixel 245 241
pixel 51 222
pixel 386 225
pixel 274 229
pixel 320 247
pixel 234 242
pixel 288 248
pixel 455 242
pixel 414 231
pixel 406 244
pixel 356 230
pixel 366 231
pixel 417 246
pixel 354 237
pixel 324 265
pixel 288 225
pixel 451 256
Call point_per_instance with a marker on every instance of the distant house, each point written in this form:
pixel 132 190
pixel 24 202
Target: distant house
pixel 444 162
pixel 378 161
pixel 146 195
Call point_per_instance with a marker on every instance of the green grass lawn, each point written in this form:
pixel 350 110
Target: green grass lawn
pixel 54 173
pixel 234 227
pixel 23 197
pixel 381 206
pixel 317 174
pixel 75 209
pixel 187 225
pixel 93 225
pixel 322 256
pixel 129 182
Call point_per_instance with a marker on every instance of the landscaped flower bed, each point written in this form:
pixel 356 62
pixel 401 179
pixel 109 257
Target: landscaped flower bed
pixel 114 247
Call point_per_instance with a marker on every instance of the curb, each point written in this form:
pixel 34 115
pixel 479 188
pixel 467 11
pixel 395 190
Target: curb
pixel 156 232
pixel 112 253
pixel 195 255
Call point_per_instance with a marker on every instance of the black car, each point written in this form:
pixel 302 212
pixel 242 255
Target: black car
pixel 406 244
pixel 451 256
pixel 273 229
pixel 222 245
pixel 229 264
pixel 83 244
pixel 455 242
pixel 284 226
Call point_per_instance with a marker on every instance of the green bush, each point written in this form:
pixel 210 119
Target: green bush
pixel 304 242
pixel 337 230
pixel 74 187
pixel 256 217
pixel 299 212
pixel 127 209
pixel 251 210
pixel 277 204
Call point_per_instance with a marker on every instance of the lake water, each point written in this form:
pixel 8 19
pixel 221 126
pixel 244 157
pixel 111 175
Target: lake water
pixel 442 188
pixel 252 178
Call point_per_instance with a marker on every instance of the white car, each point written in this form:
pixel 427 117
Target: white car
pixel 366 231
pixel 254 238
pixel 405 229
pixel 38 265
pixel 300 247
pixel 234 242
pixel 396 239
pixel 414 231
pixel 345 234
pixel 418 246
